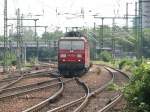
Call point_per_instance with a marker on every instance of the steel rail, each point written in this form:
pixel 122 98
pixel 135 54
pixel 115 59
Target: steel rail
pixel 25 86
pixel 8 79
pixel 19 79
pixel 45 102
pixel 10 84
pixel 112 103
pixel 67 105
pixel 105 85
pixel 127 76
pixel 86 98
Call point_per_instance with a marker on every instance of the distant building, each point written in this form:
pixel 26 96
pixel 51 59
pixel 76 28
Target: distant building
pixel 145 13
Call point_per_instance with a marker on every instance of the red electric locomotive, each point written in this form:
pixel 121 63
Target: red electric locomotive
pixel 73 54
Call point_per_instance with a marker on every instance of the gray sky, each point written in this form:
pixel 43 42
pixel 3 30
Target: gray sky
pixel 47 10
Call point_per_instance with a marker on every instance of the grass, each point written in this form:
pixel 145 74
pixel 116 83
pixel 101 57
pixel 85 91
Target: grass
pixel 103 63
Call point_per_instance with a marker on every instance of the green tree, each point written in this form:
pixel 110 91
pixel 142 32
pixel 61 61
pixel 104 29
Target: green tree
pixel 29 35
pixel 52 35
pixel 1 38
pixel 105 56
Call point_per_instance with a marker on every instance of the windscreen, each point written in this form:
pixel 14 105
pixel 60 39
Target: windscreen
pixel 71 45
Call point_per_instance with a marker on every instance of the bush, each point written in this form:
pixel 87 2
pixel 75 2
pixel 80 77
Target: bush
pixel 33 61
pixel 14 63
pixel 106 56
pixel 138 91
pixel 121 64
pixel 128 64
pixel 125 62
pixel 10 59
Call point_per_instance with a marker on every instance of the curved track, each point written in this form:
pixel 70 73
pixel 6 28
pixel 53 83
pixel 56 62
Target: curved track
pixel 45 102
pixel 120 79
pixel 103 98
pixel 94 92
pixel 79 94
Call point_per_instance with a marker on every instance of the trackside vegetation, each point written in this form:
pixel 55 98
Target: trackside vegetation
pixel 137 92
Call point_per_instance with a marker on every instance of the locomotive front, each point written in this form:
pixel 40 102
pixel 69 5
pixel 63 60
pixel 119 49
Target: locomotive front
pixel 72 52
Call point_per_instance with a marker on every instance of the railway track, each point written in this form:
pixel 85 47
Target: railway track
pixel 80 103
pixel 111 98
pixel 17 88
pixel 20 90
pixel 10 81
pixel 81 100
pixel 65 99
pixel 120 79
pixel 71 95
pixel 42 104
pixel 93 92
pixel 104 99
pixel 32 93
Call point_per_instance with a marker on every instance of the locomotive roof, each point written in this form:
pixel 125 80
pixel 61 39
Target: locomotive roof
pixel 73 38
pixel 74 34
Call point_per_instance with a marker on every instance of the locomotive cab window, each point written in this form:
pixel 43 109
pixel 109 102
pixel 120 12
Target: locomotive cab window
pixel 71 45
pixel 65 45
pixel 76 45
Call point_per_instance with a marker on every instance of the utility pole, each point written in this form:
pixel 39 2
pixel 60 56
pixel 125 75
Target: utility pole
pixel 37 40
pixel 102 30
pixel 9 38
pixel 95 51
pixel 99 38
pixel 23 59
pixel 18 41
pixel 113 38
pixel 136 32
pixel 127 15
pixel 45 34
pixel 5 36
pixel 143 23
pixel 66 28
pixel 140 30
pixel 101 34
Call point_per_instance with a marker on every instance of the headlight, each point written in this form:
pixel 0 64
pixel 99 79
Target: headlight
pixel 62 55
pixel 79 55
